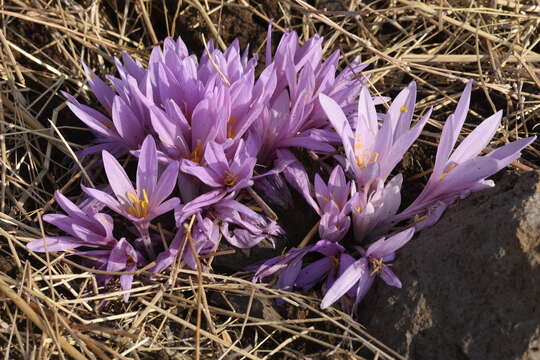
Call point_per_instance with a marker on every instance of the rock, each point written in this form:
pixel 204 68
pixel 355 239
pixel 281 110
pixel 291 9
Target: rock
pixel 471 283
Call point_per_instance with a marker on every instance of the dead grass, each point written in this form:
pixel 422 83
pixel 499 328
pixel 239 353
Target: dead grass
pixel 50 308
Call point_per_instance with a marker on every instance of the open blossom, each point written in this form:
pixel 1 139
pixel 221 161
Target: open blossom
pixel 289 265
pixel 145 202
pixel 122 257
pixel 369 212
pixel 241 226
pixel 459 172
pixel 373 151
pixel 231 172
pixel 85 228
pixel 360 274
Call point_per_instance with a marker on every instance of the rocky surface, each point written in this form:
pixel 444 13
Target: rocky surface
pixel 471 282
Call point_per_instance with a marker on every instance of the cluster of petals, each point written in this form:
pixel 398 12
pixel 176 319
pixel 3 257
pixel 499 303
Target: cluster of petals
pixel 206 130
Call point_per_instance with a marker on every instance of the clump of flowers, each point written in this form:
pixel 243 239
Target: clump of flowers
pixel 207 131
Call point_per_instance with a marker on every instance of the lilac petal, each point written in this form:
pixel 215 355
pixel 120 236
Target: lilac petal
pixel 118 179
pixel 402 144
pixel 306 142
pixel 168 257
pixel 363 286
pixel 314 272
pixel 102 91
pixel 358 270
pixel 389 277
pixel 68 206
pixel 327 248
pixel 434 213
pixel 126 122
pixel 367 126
pixel 54 243
pixel 338 187
pixel 92 118
pixel 202 201
pixel 104 198
pixel 147 168
pixel 242 238
pixel 339 122
pixel 204 173
pixel 166 206
pixel 477 140
pixel 468 173
pixel 118 257
pixel 215 157
pixel 288 275
pixel 62 222
pixel 507 153
pixel 321 192
pixel 451 130
pixel 297 177
pixel 166 183
pixel 126 281
pixel 391 244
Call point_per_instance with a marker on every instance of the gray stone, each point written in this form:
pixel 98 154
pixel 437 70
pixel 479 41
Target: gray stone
pixel 471 283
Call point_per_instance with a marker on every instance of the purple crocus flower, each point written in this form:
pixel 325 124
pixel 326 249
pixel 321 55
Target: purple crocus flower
pixel 458 173
pixel 121 257
pixel 86 229
pixel 220 172
pixel 372 152
pixel 360 274
pixel 329 267
pixel 148 200
pixel 290 265
pixel 370 211
pixel 332 202
pixel 241 226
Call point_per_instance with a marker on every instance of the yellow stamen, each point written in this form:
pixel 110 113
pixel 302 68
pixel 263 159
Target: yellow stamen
pixel 359 209
pixel 450 168
pixel 197 153
pixel 404 109
pixel 365 159
pixel 377 266
pixel 335 261
pixel 230 130
pixel 417 219
pixel 107 124
pixel 325 199
pixel 139 208
pixel 230 178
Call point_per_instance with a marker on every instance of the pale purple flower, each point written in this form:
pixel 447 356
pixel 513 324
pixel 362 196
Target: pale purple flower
pixel 334 261
pixel 121 257
pixel 372 151
pixel 332 200
pixel 220 171
pixel 360 274
pixel 86 229
pixel 241 226
pixel 459 172
pixel 370 211
pixel 148 200
pixel 289 265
